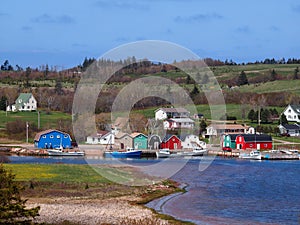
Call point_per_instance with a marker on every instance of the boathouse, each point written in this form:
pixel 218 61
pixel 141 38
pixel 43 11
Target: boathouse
pixel 171 142
pixel 154 142
pixel 189 141
pixel 139 141
pixel 123 140
pixel 254 141
pixel 52 139
pixel 229 140
pixel 102 138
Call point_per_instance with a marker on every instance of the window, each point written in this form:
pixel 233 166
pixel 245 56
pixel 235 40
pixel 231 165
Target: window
pixel 51 136
pixel 44 136
pixel 58 136
pixel 265 145
pixel 289 111
pixel 66 136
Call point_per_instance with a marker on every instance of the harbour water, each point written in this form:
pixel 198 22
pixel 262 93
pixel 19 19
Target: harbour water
pixel 229 191
pixel 232 191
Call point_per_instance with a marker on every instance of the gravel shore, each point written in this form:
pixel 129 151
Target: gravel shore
pixel 109 211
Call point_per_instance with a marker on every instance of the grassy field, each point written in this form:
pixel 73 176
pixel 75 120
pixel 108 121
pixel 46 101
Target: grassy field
pixel 56 173
pixel 46 119
pixel 274 86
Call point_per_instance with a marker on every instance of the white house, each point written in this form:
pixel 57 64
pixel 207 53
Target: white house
pixel 166 113
pixel 292 113
pixel 25 102
pixel 101 138
pixel 291 129
pixel 217 129
pixel 190 141
pixel 178 123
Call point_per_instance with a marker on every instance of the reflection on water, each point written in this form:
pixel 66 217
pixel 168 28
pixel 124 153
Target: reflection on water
pixel 229 191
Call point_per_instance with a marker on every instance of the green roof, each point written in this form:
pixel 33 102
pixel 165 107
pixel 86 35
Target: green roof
pixel 23 98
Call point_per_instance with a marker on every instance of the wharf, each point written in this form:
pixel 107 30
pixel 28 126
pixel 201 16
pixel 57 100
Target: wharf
pixel 279 156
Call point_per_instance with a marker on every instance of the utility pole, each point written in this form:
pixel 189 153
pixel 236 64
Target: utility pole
pixel 27 125
pixel 38 119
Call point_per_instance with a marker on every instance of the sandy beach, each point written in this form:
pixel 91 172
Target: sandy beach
pixel 93 211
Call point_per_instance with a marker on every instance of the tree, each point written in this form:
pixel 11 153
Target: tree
pixel 296 71
pixel 27 75
pixel 203 126
pixel 205 79
pixel 6 66
pixel 265 115
pixel 3 103
pixel 251 115
pixel 273 75
pixel 12 207
pixel 283 120
pixel 242 79
pixel 194 92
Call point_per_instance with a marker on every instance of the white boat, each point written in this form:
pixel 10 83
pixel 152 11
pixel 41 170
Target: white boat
pixel 166 153
pixel 256 155
pixel 163 153
pixel 64 152
pixel 197 151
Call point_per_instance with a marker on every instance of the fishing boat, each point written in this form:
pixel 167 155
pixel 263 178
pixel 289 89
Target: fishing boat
pixel 65 152
pixel 128 153
pixel 256 155
pixel 163 153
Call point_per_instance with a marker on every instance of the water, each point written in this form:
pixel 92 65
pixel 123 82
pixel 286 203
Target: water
pixel 237 192
pixel 229 191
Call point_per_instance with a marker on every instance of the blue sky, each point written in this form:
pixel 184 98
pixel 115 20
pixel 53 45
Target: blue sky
pixel 63 32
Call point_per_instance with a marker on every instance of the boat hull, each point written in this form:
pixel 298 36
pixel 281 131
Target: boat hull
pixel 128 154
pixel 65 153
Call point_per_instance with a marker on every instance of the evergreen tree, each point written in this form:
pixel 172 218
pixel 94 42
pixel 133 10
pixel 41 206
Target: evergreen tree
pixel 265 115
pixel 283 120
pixel 27 75
pixel 58 87
pixel 296 71
pixel 194 92
pixel 273 75
pixel 242 79
pixel 203 126
pixel 3 102
pixel 12 207
pixel 205 79
pixel 251 115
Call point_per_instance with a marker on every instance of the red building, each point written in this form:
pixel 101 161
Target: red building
pixel 253 141
pixel 171 142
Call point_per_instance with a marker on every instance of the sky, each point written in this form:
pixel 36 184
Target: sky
pixel 63 32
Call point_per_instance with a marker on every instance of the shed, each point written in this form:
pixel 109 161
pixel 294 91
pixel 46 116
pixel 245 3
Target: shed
pixel 171 142
pixel 256 141
pixel 52 139
pixel 154 142
pixel 229 140
pixel 139 141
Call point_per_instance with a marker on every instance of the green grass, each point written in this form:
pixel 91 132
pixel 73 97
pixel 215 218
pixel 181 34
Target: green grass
pixel 292 86
pixel 46 119
pixel 56 173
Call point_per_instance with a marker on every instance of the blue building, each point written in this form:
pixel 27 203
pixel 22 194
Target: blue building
pixel 52 139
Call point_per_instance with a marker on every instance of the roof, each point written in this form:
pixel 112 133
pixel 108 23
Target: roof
pixel 256 137
pixel 168 137
pixel 24 97
pixel 291 126
pixel 120 135
pixel 38 135
pixel 100 134
pixel 296 108
pixel 227 126
pixel 173 110
pixel 182 137
pixel 134 135
pixel 121 122
pixel 232 136
pixel 182 120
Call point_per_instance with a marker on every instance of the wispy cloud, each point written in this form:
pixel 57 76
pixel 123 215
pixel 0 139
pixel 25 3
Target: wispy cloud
pixel 46 18
pixel 274 28
pixel 243 29
pixel 198 18
pixel 296 8
pixel 136 5
pixel 26 28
